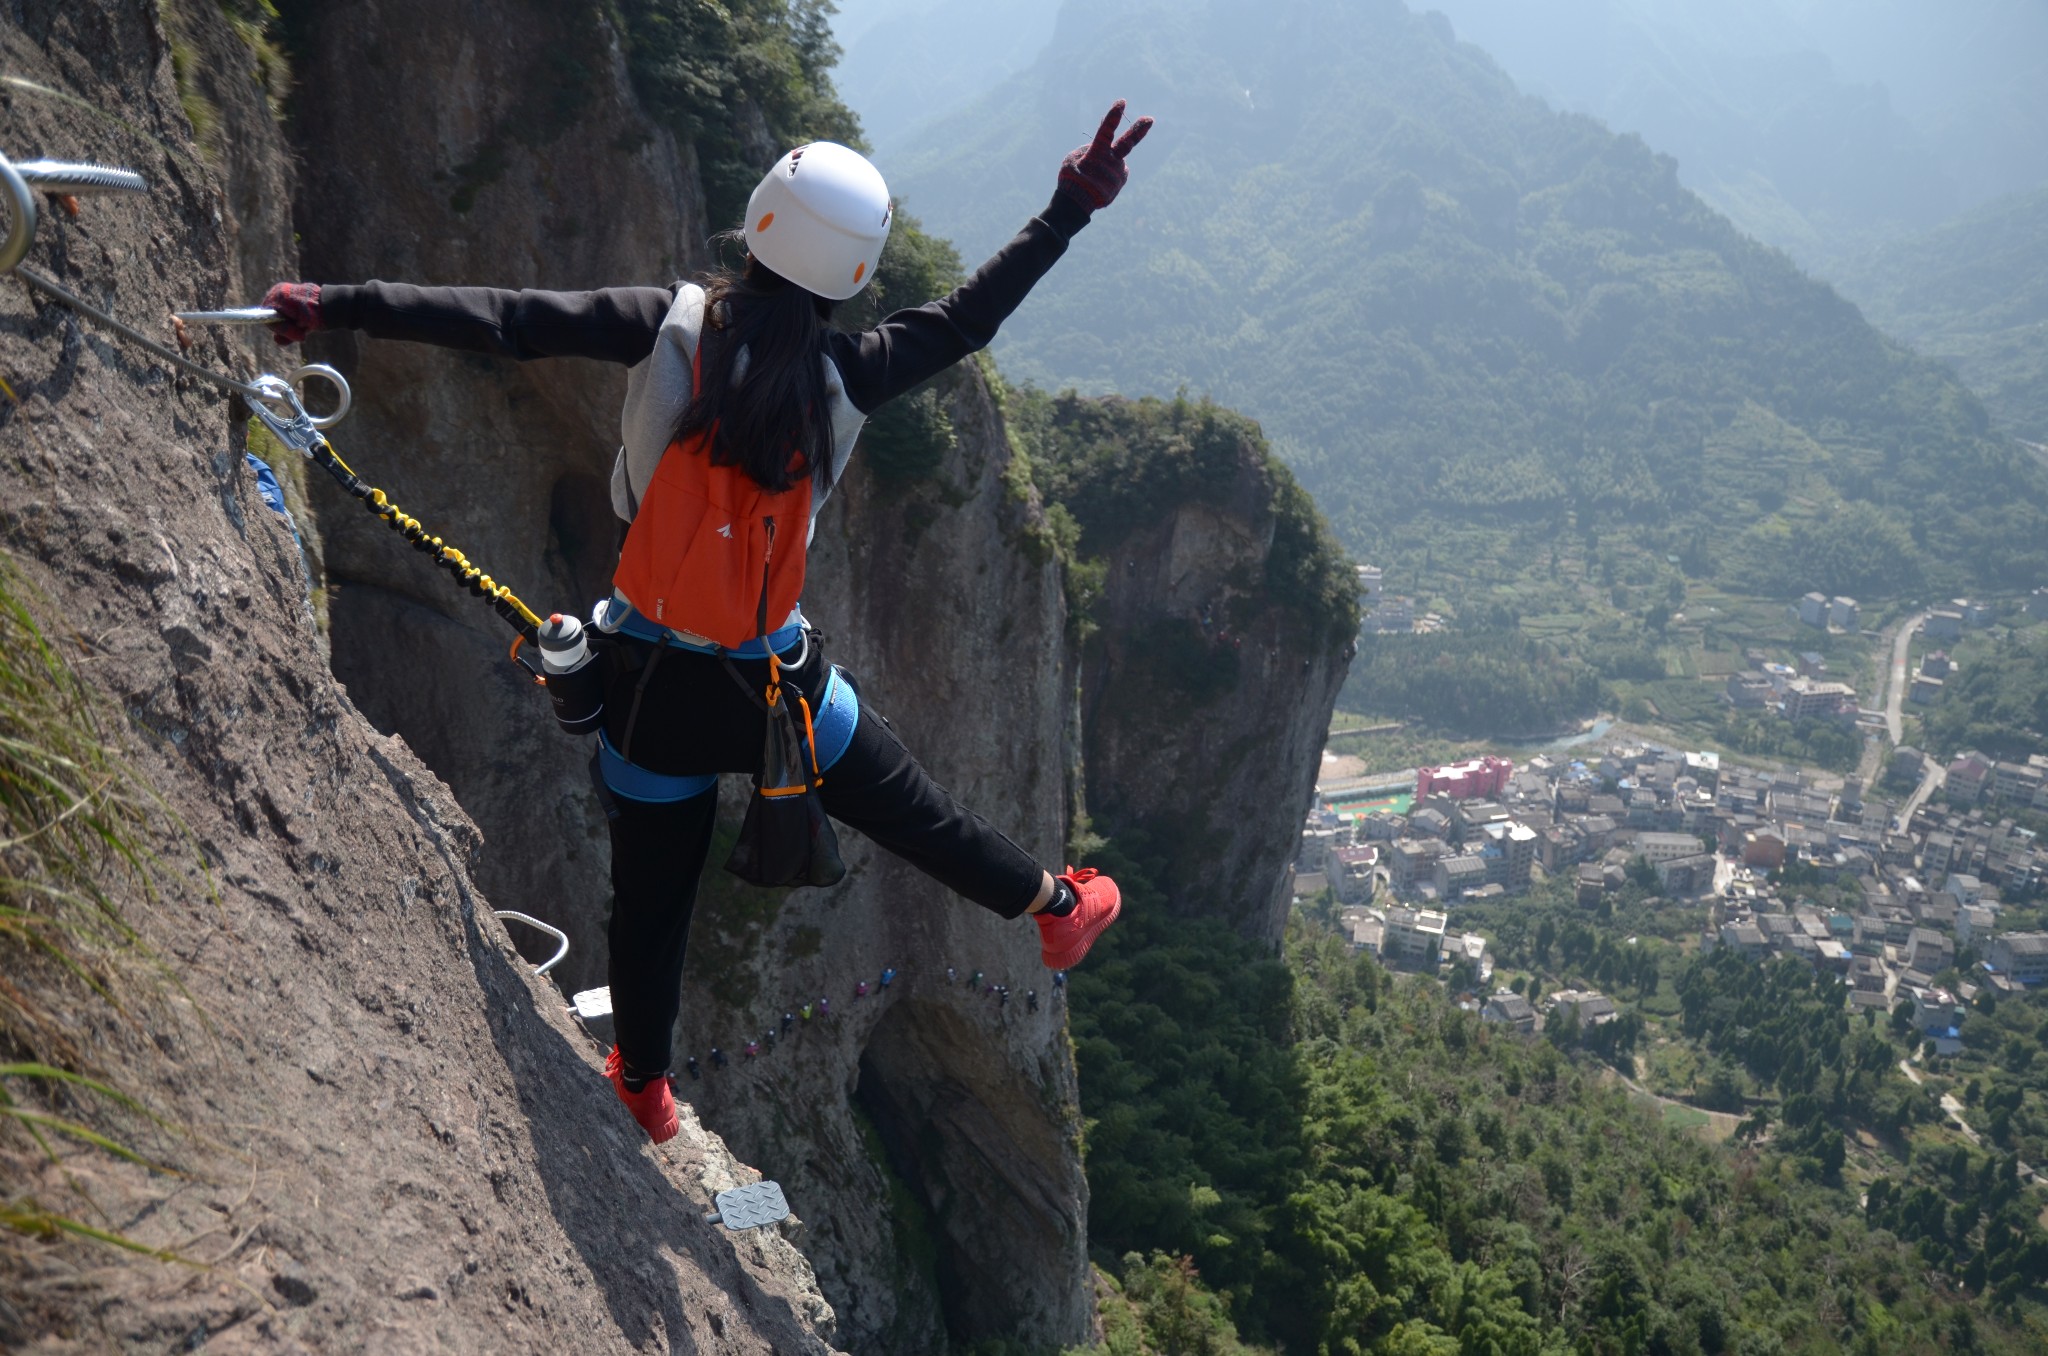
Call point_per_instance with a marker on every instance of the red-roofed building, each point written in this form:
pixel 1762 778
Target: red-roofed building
pixel 1469 780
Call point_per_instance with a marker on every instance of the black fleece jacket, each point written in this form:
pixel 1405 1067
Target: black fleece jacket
pixel 619 324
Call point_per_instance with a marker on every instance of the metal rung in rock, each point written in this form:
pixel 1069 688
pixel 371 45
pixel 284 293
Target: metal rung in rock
pixel 507 915
pixel 75 177
pixel 749 1207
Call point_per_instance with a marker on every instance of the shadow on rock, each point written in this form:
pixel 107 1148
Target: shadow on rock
pixel 621 1207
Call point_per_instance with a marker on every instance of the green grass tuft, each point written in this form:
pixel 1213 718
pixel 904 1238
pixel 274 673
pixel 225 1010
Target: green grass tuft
pixel 74 820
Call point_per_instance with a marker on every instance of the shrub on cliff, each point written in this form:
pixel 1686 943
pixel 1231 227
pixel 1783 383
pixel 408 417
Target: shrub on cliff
pixel 744 81
pixel 1118 464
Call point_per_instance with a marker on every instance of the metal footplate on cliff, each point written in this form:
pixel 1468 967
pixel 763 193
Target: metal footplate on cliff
pixel 749 1207
pixel 593 1008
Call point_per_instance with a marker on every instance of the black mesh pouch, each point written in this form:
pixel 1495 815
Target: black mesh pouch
pixel 786 838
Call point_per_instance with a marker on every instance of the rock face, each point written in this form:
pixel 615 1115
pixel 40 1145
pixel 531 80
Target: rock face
pixel 929 1135
pixel 939 596
pixel 1222 635
pixel 488 144
pixel 397 1141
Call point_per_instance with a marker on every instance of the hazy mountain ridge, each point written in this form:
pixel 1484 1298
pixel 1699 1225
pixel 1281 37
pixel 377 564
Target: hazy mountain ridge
pixel 1974 293
pixel 1819 127
pixel 1452 306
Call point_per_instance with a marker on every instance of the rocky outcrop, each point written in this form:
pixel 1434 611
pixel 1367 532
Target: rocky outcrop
pixel 230 81
pixel 1220 638
pixel 390 1136
pixel 454 146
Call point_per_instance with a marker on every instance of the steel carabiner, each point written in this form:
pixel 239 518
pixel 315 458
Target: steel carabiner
pixel 296 428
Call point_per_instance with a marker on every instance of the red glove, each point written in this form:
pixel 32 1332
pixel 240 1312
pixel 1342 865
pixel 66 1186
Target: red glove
pixel 298 311
pixel 1093 174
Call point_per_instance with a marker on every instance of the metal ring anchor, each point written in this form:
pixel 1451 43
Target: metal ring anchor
pixel 297 377
pixel 21 223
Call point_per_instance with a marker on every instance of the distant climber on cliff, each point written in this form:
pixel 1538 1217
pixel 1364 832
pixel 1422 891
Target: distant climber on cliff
pixel 742 408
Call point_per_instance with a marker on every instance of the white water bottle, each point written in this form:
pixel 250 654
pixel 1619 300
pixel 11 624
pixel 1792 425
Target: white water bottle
pixel 575 685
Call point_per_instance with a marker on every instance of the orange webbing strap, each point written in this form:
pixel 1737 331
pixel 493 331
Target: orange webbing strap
pixel 811 738
pixel 761 620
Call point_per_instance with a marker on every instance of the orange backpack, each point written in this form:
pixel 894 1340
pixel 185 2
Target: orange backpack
pixel 701 557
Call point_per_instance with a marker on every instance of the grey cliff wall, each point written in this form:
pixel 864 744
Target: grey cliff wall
pixel 929 1125
pixel 389 1136
pixel 936 596
pixel 1206 700
pixel 498 144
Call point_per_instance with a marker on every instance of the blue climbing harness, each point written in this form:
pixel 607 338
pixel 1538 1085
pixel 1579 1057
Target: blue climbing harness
pixel 832 723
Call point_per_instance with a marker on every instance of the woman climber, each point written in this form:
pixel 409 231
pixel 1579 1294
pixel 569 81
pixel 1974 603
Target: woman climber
pixel 742 408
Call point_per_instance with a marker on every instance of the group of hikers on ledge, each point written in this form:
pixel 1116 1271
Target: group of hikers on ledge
pixel 742 409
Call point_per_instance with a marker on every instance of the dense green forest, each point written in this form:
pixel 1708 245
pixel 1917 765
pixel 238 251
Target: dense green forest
pixel 2001 1076
pixel 1788 1028
pixel 1498 681
pixel 1997 703
pixel 1456 311
pixel 741 81
pixel 1973 293
pixel 1351 1163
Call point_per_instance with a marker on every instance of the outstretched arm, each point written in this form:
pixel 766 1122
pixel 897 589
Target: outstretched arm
pixel 616 324
pixel 912 346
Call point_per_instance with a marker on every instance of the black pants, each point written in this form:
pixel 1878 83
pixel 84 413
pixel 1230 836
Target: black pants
pixel 694 719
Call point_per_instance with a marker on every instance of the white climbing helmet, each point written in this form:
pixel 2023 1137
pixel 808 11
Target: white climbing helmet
pixel 820 218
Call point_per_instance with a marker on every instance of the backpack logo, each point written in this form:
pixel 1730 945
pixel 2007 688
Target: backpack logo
pixel 726 531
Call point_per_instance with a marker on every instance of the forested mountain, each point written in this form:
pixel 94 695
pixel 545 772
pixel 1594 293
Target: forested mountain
pixel 1457 311
pixel 1973 293
pixel 1818 126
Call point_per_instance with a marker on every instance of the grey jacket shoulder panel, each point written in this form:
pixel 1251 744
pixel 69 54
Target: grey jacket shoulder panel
pixel 659 387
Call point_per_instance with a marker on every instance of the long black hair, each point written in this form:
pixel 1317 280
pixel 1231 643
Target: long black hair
pixel 772 422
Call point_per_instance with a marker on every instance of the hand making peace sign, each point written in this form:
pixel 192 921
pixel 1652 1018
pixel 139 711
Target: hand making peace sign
pixel 1093 174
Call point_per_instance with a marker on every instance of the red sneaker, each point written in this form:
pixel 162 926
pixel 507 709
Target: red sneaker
pixel 654 1106
pixel 1063 941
